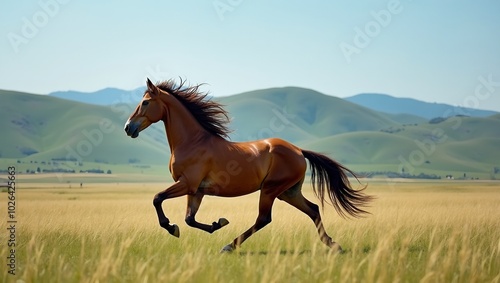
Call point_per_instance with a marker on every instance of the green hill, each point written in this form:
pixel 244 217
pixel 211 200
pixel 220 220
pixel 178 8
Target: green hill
pixel 44 128
pixel 299 114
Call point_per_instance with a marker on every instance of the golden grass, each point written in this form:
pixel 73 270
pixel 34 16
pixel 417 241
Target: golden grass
pixel 419 232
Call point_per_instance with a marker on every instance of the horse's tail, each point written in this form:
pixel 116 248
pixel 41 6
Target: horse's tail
pixel 326 173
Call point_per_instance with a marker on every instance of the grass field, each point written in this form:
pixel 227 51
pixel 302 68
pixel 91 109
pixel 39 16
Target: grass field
pixel 419 232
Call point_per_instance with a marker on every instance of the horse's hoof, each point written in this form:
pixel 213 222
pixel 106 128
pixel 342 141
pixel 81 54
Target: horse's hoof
pixel 227 249
pixel 223 222
pixel 174 230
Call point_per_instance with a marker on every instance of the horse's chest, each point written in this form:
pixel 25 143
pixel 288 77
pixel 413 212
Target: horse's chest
pixel 181 163
pixel 176 167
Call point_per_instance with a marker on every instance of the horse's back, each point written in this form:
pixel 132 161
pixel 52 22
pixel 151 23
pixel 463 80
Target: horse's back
pixel 279 160
pixel 272 150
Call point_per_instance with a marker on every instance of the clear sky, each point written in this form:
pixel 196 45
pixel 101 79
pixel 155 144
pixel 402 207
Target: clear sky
pixel 436 51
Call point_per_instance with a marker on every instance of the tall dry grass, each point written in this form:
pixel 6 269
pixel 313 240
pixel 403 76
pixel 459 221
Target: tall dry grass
pixel 419 232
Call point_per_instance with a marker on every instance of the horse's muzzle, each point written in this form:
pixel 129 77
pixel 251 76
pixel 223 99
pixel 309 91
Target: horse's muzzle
pixel 132 129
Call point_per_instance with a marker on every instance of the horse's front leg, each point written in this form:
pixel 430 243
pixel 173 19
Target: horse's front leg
pixel 180 188
pixel 193 204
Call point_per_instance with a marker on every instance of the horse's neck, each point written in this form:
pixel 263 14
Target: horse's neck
pixel 180 125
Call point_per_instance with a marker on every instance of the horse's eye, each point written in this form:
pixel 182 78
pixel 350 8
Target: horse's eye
pixel 145 102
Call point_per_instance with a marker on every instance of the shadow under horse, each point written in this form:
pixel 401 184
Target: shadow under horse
pixel 203 162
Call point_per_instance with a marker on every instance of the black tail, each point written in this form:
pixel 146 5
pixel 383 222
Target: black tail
pixel 326 172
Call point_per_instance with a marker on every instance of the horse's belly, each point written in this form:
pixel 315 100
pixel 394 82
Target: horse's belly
pixel 225 187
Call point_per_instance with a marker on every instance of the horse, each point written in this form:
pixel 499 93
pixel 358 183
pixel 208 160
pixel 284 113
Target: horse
pixel 205 162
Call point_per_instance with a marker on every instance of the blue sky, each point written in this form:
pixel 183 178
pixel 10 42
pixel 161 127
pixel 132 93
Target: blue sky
pixel 436 51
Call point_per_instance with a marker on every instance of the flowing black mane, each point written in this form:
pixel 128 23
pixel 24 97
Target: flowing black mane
pixel 208 113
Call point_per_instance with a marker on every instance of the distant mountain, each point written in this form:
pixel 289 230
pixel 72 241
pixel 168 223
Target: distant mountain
pixel 394 105
pixel 107 96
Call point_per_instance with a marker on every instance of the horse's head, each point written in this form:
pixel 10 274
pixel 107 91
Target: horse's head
pixel 147 112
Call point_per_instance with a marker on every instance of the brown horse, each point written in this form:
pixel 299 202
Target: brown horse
pixel 203 162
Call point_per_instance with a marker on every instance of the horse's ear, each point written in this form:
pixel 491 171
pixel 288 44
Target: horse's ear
pixel 153 90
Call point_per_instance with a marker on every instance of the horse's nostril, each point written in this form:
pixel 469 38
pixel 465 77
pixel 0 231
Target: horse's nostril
pixel 126 128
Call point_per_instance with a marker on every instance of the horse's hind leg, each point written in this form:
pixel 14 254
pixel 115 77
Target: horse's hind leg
pixel 193 204
pixel 265 206
pixel 295 198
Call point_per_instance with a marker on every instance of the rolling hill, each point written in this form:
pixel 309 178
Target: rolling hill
pixel 406 110
pixel 430 148
pixel 45 128
pixel 38 127
pixel 302 114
